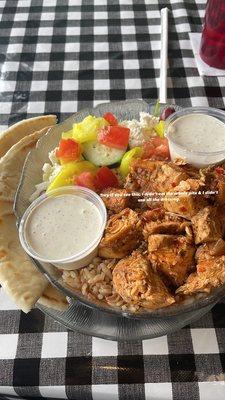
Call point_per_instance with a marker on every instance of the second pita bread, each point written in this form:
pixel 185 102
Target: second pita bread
pixel 22 129
pixel 12 163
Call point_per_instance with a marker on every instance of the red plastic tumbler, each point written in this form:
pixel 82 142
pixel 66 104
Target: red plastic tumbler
pixel 212 49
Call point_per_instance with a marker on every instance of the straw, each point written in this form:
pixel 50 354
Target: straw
pixel 163 56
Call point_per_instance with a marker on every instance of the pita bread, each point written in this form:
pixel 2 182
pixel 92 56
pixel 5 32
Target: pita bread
pixel 22 129
pixel 18 276
pixel 20 279
pixel 12 163
pixel 53 298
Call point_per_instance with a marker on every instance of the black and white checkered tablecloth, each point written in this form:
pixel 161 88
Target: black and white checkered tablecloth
pixel 57 56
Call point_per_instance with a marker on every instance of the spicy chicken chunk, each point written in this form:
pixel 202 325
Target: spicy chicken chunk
pixel 169 176
pixel 154 176
pixel 206 225
pixel 172 256
pixel 209 250
pixel 141 175
pixel 122 235
pixel 214 178
pixel 210 272
pixel 116 199
pixel 221 214
pixel 220 188
pixel 191 171
pixel 204 252
pixel 218 248
pixel 135 281
pixel 158 221
pixel 186 199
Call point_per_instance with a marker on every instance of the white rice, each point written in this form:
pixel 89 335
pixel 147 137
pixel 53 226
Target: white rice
pixel 95 282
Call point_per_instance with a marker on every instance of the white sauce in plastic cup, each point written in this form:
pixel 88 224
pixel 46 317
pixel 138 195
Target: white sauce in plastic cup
pixel 64 227
pixel 197 135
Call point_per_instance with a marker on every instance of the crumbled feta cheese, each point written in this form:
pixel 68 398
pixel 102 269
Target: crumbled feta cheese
pixel 49 174
pixel 148 121
pixel 52 157
pixel 47 170
pixel 50 171
pixel 136 136
pixel 39 188
pixel 140 131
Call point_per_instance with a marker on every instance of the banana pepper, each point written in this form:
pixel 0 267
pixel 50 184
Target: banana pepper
pixel 127 159
pixel 68 171
pixel 160 128
pixel 86 130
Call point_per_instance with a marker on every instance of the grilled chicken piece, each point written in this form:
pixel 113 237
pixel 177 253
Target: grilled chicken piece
pixel 186 199
pixel 154 176
pixel 191 171
pixel 169 176
pixel 172 256
pixel 218 183
pixel 221 215
pixel 158 221
pixel 206 225
pixel 209 250
pixel 116 199
pixel 220 197
pixel 136 283
pixel 122 235
pixel 214 178
pixel 210 272
pixel 142 175
pixel 218 248
pixel 204 252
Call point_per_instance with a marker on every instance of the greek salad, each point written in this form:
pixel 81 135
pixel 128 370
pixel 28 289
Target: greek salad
pixel 97 152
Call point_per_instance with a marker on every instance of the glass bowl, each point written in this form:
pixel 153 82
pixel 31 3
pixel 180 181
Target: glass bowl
pixel 83 315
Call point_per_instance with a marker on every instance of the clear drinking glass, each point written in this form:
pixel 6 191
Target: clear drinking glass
pixel 212 48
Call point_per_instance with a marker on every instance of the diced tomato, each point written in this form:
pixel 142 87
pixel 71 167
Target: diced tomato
pixel 69 150
pixel 157 141
pixel 148 150
pixel 110 118
pixel 105 178
pixel 162 151
pixel 156 148
pixel 85 179
pixel 114 136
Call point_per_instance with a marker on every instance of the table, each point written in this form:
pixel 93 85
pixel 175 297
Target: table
pixel 58 56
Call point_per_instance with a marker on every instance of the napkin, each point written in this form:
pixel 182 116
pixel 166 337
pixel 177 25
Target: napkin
pixel 203 68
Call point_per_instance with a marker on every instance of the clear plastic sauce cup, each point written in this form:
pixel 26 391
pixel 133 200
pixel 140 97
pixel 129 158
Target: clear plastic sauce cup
pixel 203 142
pixel 87 220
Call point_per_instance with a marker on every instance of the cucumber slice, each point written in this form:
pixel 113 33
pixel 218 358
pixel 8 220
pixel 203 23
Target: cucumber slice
pixel 99 154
